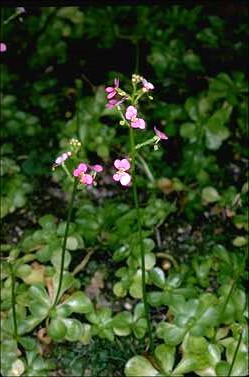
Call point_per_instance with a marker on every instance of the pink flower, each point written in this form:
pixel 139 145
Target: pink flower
pixel 121 175
pixel 114 102
pixel 61 159
pixel 111 90
pixel 3 47
pixel 147 85
pixel 82 168
pixel 80 172
pixel 96 168
pixel 161 135
pixel 131 114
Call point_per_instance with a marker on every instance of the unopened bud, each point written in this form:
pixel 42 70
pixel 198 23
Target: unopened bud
pixel 156 147
pixel 122 123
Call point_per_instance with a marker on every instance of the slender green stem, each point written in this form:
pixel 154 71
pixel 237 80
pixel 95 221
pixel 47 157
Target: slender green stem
pixel 67 172
pixel 228 296
pixel 235 354
pixel 146 168
pixel 13 300
pixel 65 242
pixel 135 198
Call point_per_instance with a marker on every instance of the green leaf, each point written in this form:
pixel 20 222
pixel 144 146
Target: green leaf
pixel 72 243
pixel 215 130
pixel 122 323
pixel 240 241
pixel 170 333
pixel 119 290
pixel 157 277
pixel 210 195
pixel 140 328
pixel 139 366
pixel 188 131
pixel 56 258
pixel 74 329
pixel 38 293
pixel 186 365
pixel 57 329
pixel 79 303
pixel 222 368
pixel 166 355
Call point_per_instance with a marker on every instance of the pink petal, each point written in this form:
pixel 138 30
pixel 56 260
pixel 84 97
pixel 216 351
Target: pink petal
pixel 109 89
pixel 117 164
pixel 82 167
pixel 131 112
pixel 109 106
pixel 59 160
pixel 116 177
pixel 87 179
pixel 160 134
pixel 97 168
pixel 125 179
pixel 116 83
pixel 135 124
pixel 141 123
pixel 3 47
pixel 111 94
pixel 147 84
pixel 124 164
pixel 76 172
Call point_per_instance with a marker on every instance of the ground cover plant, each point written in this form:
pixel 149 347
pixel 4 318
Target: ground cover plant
pixel 124 190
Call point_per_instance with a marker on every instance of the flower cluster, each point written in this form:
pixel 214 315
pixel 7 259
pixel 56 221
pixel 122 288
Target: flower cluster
pixel 85 178
pixel 113 91
pixel 86 173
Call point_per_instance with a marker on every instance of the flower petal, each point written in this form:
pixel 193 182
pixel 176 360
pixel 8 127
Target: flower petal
pixel 109 89
pixel 135 124
pixel 117 164
pixel 116 83
pixel 124 164
pixel 125 179
pixel 160 134
pixel 111 94
pixel 76 172
pixel 87 179
pixel 3 47
pixel 131 112
pixel 82 167
pixel 141 123
pixel 116 177
pixel 97 168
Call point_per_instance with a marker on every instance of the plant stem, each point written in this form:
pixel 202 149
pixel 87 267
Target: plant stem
pixel 235 354
pixel 65 242
pixel 13 299
pixel 135 198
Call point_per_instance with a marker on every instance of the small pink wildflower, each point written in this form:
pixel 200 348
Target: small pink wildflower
pixel 61 159
pixel 114 102
pixel 80 172
pixel 131 114
pixel 160 134
pixel 96 168
pixel 147 85
pixel 3 47
pixel 121 175
pixel 112 90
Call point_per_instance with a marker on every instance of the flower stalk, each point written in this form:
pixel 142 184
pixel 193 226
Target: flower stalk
pixel 65 242
pixel 139 221
pixel 13 300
